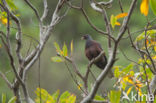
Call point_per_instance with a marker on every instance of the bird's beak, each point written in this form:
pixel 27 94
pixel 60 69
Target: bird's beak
pixel 82 38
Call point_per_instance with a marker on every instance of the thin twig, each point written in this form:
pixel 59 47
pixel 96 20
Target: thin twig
pixel 141 52
pixel 19 33
pixel 75 80
pixel 128 58
pixel 35 10
pixel 36 53
pixel 121 8
pixel 45 12
pixel 111 59
pixel 6 80
pixel 74 66
pixel 148 54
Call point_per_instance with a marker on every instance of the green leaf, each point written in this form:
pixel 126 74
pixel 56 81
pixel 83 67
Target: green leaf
pixel 155 99
pixel 57 59
pixel 149 73
pixel 128 68
pixel 65 50
pixel 71 99
pixel 113 21
pixel 116 71
pixel 150 34
pixel 11 4
pixel 3 98
pixel 124 85
pixel 12 100
pixel 45 96
pixel 131 73
pixel 115 96
pixel 58 50
pixel 63 97
pixel 153 6
pixel 56 95
pixel 66 97
pixel 98 97
pixel 140 37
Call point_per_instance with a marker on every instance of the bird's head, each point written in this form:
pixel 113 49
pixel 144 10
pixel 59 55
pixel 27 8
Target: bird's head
pixel 86 37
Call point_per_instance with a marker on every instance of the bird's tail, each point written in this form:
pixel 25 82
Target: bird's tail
pixel 110 74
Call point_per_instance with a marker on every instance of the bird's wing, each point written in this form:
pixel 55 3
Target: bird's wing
pixel 99 50
pixel 98 46
pixel 88 53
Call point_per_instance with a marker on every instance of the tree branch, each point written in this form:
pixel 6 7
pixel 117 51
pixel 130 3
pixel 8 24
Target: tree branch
pixel 111 60
pixel 148 54
pixel 35 11
pixel 45 12
pixel 6 80
pixel 36 53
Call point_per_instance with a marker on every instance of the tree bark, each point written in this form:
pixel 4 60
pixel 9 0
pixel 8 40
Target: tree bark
pixel 16 92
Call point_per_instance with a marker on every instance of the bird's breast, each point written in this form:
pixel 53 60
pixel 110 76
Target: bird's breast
pixel 91 52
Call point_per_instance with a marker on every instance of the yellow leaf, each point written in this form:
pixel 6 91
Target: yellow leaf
pixel 144 7
pixel 48 102
pixel 117 23
pixel 121 15
pixel 147 42
pixel 71 47
pixel 138 83
pixel 153 42
pixel 4 20
pixel 139 91
pixel 155 48
pixel 154 57
pixel 128 80
pixel 0 46
pixel 129 90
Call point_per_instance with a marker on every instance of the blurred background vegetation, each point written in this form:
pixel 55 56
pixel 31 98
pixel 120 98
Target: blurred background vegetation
pixel 55 76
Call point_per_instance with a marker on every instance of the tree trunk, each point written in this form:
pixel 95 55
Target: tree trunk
pixel 16 91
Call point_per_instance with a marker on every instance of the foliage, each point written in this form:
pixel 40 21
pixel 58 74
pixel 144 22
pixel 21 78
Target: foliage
pixel 114 96
pixel 133 77
pixel 56 97
pixel 144 7
pixel 153 6
pixel 11 100
pixel 147 38
pixel 62 53
pixel 129 79
pixel 115 18
pixel 3 18
pixel 99 98
pixel 3 15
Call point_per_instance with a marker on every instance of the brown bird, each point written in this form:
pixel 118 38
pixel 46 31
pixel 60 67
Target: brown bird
pixel 92 50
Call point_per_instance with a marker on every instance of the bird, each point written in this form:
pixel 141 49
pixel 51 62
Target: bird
pixel 92 50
